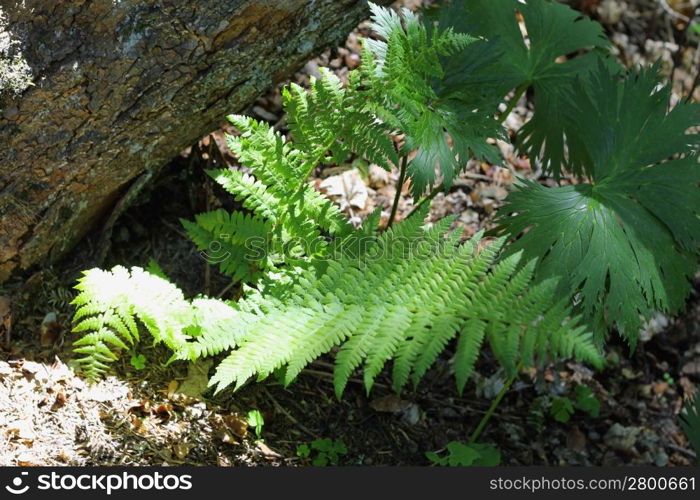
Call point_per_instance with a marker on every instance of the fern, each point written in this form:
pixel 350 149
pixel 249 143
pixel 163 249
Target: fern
pixel 622 240
pixel 405 300
pixel 288 214
pixel 407 67
pixel 331 118
pixel 232 238
pixel 627 242
pixel 110 303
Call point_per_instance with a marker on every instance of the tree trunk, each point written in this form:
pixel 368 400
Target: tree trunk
pixel 98 92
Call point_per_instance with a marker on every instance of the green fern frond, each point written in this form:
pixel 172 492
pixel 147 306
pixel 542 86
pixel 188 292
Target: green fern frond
pixel 232 241
pixel 407 67
pixel 110 303
pixel 329 118
pixel 250 192
pixel 404 301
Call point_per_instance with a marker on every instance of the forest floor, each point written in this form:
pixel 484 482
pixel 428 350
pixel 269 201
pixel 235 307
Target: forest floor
pixel 164 415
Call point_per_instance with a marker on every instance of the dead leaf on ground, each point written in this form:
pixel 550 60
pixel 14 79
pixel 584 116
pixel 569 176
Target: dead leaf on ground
pixel 377 177
pixel 575 439
pixel 389 404
pixel 689 388
pixel 222 432
pixel 236 425
pixel 197 380
pixel 266 450
pixel 180 450
pixel 163 411
pixel 141 425
pixel 59 401
pixel 348 189
pixel 21 429
pixel 50 331
pixel 172 387
pixel 692 368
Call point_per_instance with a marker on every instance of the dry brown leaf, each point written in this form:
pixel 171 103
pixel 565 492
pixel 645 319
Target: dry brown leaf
pixel 143 407
pixel 28 459
pixel 225 436
pixel 348 189
pixel 389 404
pixel 50 331
pixel 141 425
pixel 172 388
pixel 197 381
pixel 163 411
pixel 660 388
pixel 182 449
pixel 689 388
pixel 21 429
pixel 59 401
pixel 238 426
pixel 266 450
pixel 575 439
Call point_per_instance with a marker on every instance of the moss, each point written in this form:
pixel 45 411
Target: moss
pixel 15 73
pixel 15 76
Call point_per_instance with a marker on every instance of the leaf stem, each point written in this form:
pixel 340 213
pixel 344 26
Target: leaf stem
pixel 436 190
pixel 494 404
pixel 399 186
pixel 513 101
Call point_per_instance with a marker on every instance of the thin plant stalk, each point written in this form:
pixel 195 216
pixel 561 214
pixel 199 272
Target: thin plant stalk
pixel 399 186
pixel 494 404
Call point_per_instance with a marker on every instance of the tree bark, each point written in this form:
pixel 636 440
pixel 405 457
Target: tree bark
pixel 116 88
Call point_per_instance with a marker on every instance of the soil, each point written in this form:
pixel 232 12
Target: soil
pixel 164 415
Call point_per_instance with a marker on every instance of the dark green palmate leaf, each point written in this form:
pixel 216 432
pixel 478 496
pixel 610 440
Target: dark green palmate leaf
pixel 690 421
pixel 627 243
pixel 553 30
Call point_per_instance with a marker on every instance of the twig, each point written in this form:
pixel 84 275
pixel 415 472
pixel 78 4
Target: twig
pixel 174 228
pixel 281 409
pixel 225 289
pixel 329 376
pixel 687 453
pixel 673 13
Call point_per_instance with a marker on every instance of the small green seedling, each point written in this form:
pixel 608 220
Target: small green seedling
pixel 586 401
pixel 467 455
pixel 327 451
pixel 138 361
pixel 562 409
pixel 256 421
